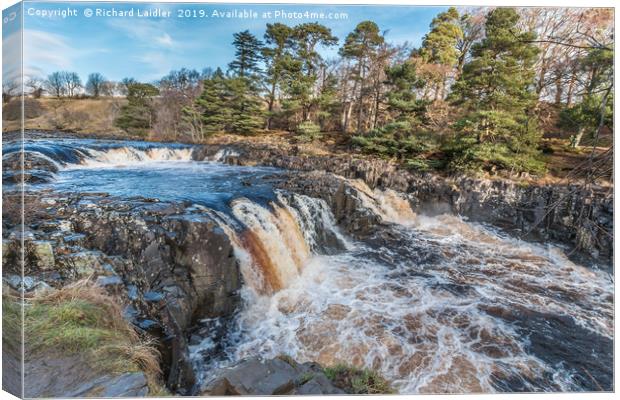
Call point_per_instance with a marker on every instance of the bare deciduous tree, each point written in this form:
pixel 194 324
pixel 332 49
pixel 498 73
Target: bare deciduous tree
pixel 96 84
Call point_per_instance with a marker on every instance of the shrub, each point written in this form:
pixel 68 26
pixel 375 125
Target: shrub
pixel 357 381
pixel 308 132
pixel 395 140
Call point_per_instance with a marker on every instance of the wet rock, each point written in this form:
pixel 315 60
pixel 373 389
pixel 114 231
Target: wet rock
pixel 580 217
pixel 125 385
pixel 17 282
pixel 26 283
pixel 43 252
pixel 318 385
pixel 31 160
pixel 179 267
pixel 132 292
pixel 84 263
pixel 76 239
pixel 153 297
pixel 278 376
pixel 107 281
pixel 147 324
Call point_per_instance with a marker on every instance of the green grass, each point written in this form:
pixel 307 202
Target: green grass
pixel 11 322
pixel 357 381
pixel 81 319
pixel 75 325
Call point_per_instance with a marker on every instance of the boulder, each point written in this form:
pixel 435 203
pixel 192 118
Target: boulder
pixel 277 376
pixel 43 252
pixel 31 160
pixel 132 384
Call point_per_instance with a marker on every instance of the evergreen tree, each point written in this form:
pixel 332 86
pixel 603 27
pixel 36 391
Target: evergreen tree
pixel 241 101
pixel 247 55
pixel 246 114
pixel 138 115
pixel 400 138
pixel 308 36
pixel 278 60
pixel 596 108
pixel 212 104
pixel 361 45
pixel 303 72
pixel 328 102
pixel 594 111
pixel 496 92
pixel 439 46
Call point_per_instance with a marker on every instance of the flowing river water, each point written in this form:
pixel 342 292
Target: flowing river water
pixel 435 304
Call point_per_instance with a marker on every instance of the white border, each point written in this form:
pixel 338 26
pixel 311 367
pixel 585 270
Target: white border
pixel 539 3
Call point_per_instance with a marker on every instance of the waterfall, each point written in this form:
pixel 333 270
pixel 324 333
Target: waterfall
pixel 274 242
pixel 454 322
pixel 222 155
pixel 127 156
pixel 391 206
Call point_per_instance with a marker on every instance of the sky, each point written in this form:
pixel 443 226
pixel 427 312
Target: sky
pixel 64 35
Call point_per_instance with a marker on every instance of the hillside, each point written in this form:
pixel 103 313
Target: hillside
pixel 93 116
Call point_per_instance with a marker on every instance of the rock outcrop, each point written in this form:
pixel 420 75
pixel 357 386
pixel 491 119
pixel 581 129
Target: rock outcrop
pixel 570 214
pixel 277 376
pixel 171 264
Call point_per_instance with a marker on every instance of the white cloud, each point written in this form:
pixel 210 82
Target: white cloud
pixel 45 51
pixel 149 33
pixel 44 48
pixel 11 56
pixel 165 40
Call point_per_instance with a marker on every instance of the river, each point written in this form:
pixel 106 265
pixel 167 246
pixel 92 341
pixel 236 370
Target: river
pixel 435 304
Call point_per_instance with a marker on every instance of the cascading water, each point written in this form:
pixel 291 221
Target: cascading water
pixel 442 306
pixel 129 156
pixel 435 304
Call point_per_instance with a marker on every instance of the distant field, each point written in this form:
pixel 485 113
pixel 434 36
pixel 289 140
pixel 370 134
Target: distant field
pixel 82 115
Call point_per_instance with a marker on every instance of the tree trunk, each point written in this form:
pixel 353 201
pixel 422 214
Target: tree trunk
pixel 559 90
pixel 361 96
pixel 376 107
pixel 577 138
pixel 347 116
pixel 272 96
pixel 571 87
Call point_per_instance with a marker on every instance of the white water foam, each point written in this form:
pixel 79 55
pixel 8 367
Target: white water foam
pixel 130 156
pixel 428 327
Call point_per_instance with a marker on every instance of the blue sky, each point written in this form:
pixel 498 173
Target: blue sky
pixel 146 48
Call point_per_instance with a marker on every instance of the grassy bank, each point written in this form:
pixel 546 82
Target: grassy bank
pixel 93 116
pixel 81 328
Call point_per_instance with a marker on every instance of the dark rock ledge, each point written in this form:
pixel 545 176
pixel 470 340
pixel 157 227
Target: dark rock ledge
pixel 580 218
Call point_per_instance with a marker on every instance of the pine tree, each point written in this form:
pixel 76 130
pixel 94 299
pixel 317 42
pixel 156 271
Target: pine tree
pixel 400 137
pixel 361 45
pixel 138 115
pixel 246 114
pixel 212 104
pixel 304 70
pixel 496 91
pixel 404 83
pixel 277 56
pixel 439 46
pixel 247 55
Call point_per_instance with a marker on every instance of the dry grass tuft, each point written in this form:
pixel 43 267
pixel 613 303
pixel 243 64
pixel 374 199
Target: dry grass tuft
pixel 82 318
pixel 358 381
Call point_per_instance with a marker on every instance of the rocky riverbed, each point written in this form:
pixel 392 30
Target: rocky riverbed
pixel 228 266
